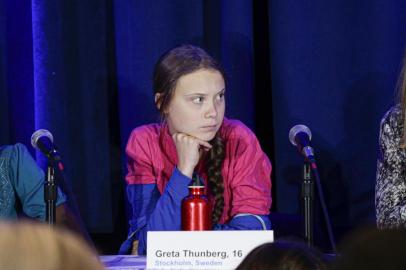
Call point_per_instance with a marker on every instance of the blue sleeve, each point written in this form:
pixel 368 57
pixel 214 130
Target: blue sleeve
pixel 28 181
pixel 153 211
pixel 246 222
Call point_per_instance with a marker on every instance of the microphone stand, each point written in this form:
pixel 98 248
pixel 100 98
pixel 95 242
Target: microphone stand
pixel 50 194
pixel 300 136
pixel 323 205
pixel 307 195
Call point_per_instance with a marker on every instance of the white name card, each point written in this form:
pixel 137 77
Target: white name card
pixel 202 249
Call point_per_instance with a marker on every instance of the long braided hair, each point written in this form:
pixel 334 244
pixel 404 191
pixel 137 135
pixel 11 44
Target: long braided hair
pixel 172 65
pixel 214 163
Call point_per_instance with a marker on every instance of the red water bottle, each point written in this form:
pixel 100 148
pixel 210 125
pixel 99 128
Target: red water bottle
pixel 196 208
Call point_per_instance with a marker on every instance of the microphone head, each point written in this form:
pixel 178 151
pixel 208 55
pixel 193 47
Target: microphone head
pixel 38 134
pixel 297 129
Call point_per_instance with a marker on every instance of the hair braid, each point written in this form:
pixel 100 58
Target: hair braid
pixel 214 163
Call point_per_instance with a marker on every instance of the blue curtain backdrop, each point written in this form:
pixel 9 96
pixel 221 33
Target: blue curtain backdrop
pixel 83 70
pixel 334 68
pixel 146 29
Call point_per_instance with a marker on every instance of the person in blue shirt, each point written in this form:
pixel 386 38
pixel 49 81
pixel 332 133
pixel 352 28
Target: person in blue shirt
pixel 22 188
pixel 22 192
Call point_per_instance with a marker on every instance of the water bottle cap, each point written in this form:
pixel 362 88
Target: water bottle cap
pixel 197 181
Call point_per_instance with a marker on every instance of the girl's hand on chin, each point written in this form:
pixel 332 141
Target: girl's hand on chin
pixel 188 150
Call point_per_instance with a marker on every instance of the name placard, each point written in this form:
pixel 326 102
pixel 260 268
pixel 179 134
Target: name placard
pixel 202 249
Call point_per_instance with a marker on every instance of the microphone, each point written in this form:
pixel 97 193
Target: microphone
pixel 42 140
pixel 300 136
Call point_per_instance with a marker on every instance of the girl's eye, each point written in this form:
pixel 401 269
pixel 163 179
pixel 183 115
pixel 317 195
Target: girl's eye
pixel 220 96
pixel 198 100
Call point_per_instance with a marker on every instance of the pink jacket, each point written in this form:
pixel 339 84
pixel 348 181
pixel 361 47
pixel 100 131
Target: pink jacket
pixel 246 169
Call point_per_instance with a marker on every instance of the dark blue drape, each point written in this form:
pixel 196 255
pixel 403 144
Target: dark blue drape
pixel 71 98
pixel 55 76
pixel 4 115
pixel 144 32
pixel 334 68
pixel 83 70
pixel 16 72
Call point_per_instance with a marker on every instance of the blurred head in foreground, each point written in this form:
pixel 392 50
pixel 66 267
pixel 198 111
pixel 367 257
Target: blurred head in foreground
pixel 373 249
pixel 286 255
pixel 34 246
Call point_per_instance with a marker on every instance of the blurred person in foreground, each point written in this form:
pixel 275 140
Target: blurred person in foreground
pixel 373 249
pixel 284 255
pixel 35 246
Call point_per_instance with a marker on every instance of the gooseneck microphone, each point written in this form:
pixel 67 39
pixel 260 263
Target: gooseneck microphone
pixel 43 141
pixel 300 136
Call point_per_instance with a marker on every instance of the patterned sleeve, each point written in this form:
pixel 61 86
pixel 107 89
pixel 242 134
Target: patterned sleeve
pixel 28 181
pixel 390 196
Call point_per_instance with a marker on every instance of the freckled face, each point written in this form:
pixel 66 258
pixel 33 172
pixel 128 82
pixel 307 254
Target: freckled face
pixel 197 105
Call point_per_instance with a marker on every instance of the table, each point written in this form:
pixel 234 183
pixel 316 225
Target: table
pixel 124 262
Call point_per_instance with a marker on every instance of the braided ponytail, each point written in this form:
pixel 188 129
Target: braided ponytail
pixel 214 165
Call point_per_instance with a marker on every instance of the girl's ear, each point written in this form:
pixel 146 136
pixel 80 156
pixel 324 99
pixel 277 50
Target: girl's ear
pixel 158 101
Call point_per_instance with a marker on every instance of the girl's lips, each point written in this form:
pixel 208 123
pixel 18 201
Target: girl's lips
pixel 212 127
